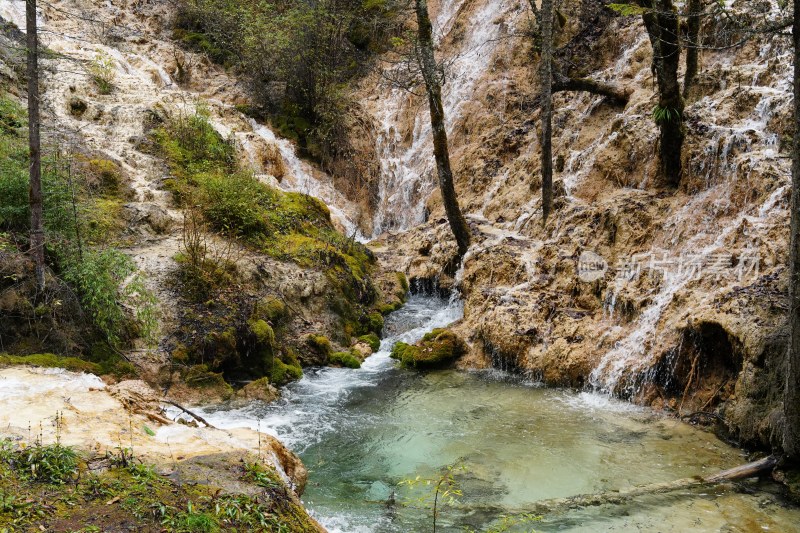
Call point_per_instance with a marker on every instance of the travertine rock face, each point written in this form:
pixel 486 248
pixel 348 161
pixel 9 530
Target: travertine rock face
pixel 673 298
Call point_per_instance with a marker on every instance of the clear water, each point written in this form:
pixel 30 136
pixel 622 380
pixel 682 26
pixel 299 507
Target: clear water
pixel 361 432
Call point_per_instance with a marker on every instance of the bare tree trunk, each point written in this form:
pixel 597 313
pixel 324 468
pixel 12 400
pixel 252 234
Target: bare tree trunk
pixel 34 145
pixel 791 400
pixel 433 86
pixel 694 10
pixel 661 21
pixel 546 82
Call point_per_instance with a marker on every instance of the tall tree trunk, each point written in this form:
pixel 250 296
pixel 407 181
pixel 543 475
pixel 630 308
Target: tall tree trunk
pixel 791 400
pixel 433 86
pixel 34 145
pixel 546 82
pixel 661 21
pixel 694 10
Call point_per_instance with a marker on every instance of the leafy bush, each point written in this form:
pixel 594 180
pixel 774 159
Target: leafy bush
pixel 309 49
pixel 99 277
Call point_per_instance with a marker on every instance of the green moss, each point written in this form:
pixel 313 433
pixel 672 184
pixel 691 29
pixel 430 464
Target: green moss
pixel 436 349
pixel 271 309
pixel 403 280
pixel 345 359
pixel 262 331
pixel 282 373
pixel 103 220
pixel 385 309
pixel 48 360
pixel 320 344
pixel 372 340
pixel 375 322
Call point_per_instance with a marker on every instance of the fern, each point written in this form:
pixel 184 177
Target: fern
pixel 663 115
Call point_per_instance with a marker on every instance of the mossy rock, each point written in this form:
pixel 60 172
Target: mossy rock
pixel 375 322
pixel 200 377
pixel 345 359
pixel 271 309
pixel 282 373
pixel 262 331
pixel 260 389
pixel 387 308
pixel 437 349
pixel 318 350
pixel 371 340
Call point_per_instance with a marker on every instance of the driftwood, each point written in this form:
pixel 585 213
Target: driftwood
pixel 188 412
pixel 616 497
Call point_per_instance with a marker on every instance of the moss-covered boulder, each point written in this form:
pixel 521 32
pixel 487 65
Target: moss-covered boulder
pixel 270 308
pixel 282 373
pixel 437 349
pixel 316 350
pixel 371 340
pixel 260 389
pixel 345 359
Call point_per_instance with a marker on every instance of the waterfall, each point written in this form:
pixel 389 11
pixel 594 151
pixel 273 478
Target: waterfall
pixel 407 168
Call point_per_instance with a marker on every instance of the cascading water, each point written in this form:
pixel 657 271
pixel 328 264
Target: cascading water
pixel 407 168
pixel 730 155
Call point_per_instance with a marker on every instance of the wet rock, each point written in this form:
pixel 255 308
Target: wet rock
pixel 260 389
pixel 156 217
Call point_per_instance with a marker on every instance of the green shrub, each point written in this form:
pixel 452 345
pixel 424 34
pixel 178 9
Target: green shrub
pixel 103 73
pixel 98 277
pixel 345 359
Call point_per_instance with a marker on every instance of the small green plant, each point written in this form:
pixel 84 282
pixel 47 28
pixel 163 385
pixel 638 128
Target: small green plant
pixel 103 73
pixel 54 463
pixel 261 475
pixel 662 115
pixel 441 490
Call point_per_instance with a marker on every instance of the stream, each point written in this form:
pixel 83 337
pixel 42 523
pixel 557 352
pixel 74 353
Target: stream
pixel 361 432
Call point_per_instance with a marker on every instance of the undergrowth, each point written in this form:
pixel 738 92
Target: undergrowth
pixel 83 199
pixel 49 488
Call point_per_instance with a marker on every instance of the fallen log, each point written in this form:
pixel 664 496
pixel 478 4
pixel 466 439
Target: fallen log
pixel 616 497
pixel 616 94
pixel 188 412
